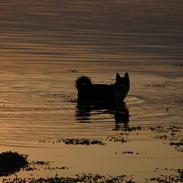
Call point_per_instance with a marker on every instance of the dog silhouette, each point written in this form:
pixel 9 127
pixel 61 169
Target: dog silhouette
pixel 87 91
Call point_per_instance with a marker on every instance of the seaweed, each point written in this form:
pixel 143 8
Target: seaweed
pixel 11 162
pixel 88 178
pixel 82 141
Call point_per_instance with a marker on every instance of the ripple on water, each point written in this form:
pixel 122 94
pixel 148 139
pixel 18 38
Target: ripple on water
pixel 134 100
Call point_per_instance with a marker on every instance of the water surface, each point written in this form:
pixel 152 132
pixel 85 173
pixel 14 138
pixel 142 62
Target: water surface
pixel 46 45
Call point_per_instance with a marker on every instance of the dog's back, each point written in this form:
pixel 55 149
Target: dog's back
pixel 101 92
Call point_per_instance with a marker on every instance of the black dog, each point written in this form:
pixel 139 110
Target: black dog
pixel 101 92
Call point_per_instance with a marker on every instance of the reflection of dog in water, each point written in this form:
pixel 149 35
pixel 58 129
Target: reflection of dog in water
pixel 103 98
pixel 102 92
pixel 120 112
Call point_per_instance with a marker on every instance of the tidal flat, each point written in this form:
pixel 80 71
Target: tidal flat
pixel 147 155
pixel 64 142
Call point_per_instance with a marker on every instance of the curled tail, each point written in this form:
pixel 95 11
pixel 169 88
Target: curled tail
pixel 83 83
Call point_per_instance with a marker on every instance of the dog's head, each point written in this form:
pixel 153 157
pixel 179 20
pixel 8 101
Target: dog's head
pixel 122 85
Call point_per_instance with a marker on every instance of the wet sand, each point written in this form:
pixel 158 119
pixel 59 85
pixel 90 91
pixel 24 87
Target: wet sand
pixel 140 154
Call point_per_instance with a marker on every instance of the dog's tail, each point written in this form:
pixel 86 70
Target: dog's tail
pixel 83 83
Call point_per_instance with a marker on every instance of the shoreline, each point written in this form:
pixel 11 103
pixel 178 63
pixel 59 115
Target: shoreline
pixel 138 153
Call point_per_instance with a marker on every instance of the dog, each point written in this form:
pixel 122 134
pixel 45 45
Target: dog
pixel 87 91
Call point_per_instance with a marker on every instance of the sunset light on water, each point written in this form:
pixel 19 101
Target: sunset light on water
pixel 45 46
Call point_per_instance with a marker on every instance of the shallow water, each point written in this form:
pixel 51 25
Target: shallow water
pixel 43 104
pixel 43 42
pixel 46 45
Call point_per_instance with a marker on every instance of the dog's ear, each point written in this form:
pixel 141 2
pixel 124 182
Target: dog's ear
pixel 117 77
pixel 126 76
pixel 127 80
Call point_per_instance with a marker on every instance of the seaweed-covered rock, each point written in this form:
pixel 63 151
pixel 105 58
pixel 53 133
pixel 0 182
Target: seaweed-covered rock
pixel 11 162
